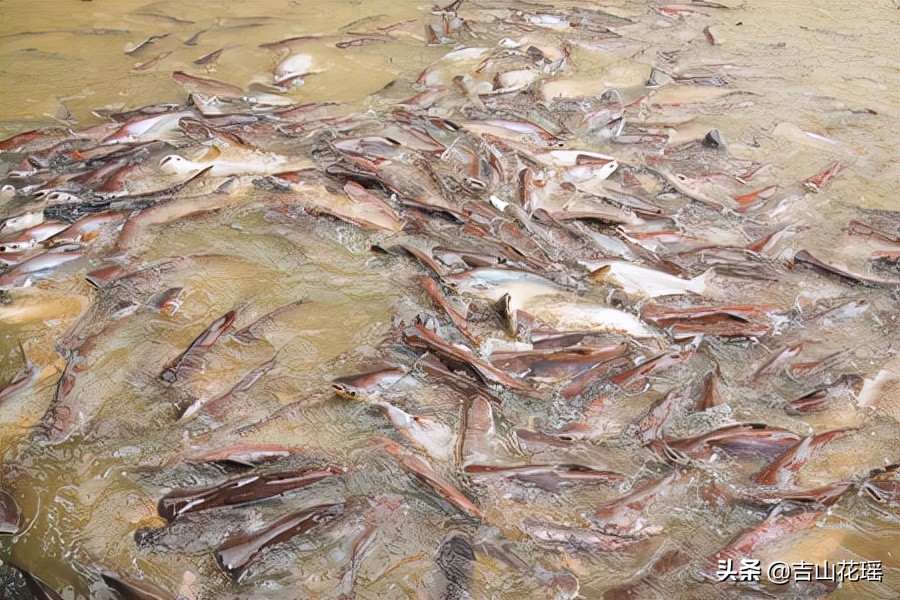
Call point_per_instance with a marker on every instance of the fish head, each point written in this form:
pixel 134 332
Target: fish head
pixel 174 163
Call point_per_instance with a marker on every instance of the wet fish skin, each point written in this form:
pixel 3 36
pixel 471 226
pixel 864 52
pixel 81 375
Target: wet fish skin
pixel 546 476
pixel 622 515
pixel 741 439
pixel 134 589
pixel 454 564
pixel 819 399
pixel 10 514
pixel 782 470
pixel 186 361
pixel 368 383
pixel 577 537
pixel 238 553
pixel 637 377
pixel 771 529
pixel 244 489
pixel 217 407
pixel 805 257
pixel 444 488
pixel 419 337
pixel 36 586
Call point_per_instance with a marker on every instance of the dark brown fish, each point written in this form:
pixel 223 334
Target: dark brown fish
pixel 188 360
pixel 637 378
pixel 135 589
pixel 820 398
pixel 454 565
pixel 239 552
pixel 434 292
pixel 444 488
pixel 254 331
pixel 555 365
pixel 546 476
pixel 623 514
pixel 10 514
pixel 422 338
pixel 210 58
pixel 241 490
pixel 805 257
pixel 782 470
pixel 745 440
pixel 36 586
pixel 218 406
pixel 773 528
pixel 710 397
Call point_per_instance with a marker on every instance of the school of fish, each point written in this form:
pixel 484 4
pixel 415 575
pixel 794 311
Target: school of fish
pixel 600 332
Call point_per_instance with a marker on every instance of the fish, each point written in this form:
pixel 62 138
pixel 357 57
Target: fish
pixel 555 365
pixel 368 383
pixel 136 47
pixel 134 589
pixel 425 432
pixel 822 179
pixel 638 377
pixel 383 509
pixel 710 396
pixel 576 537
pixel 778 361
pixel 208 87
pixel 444 488
pixel 593 318
pixel 189 360
pixel 38 587
pixel 648 426
pixel 822 397
pixel 238 553
pixel 210 58
pixel 422 338
pixel 241 490
pixel 254 331
pixel 623 515
pixel 883 486
pixel 771 529
pixel 545 476
pixel 783 469
pixel 21 380
pixel 458 320
pixel 645 282
pixel 741 439
pixel 243 455
pixel 454 563
pixel 805 257
pixel 689 189
pixel 40 266
pixel 217 406
pixel 10 514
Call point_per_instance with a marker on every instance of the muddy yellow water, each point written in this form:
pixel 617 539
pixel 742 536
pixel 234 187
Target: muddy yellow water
pixel 810 83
